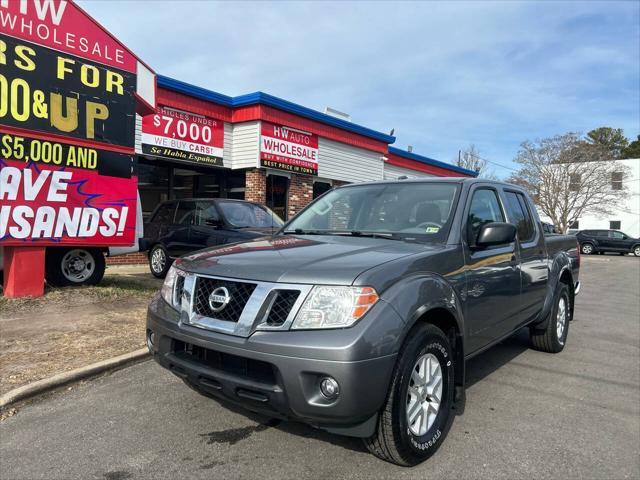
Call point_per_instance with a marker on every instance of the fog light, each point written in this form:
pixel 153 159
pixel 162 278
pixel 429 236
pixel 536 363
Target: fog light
pixel 329 387
pixel 150 339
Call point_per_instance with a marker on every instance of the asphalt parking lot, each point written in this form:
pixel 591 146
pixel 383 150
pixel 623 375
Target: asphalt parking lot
pixel 528 415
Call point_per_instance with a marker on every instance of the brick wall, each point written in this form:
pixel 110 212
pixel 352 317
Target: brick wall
pixel 300 193
pixel 128 259
pixel 256 186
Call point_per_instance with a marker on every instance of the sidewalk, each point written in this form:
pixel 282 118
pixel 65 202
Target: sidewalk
pixel 73 327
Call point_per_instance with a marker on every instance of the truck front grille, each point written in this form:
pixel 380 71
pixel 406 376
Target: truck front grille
pixel 178 289
pixel 239 294
pixel 281 307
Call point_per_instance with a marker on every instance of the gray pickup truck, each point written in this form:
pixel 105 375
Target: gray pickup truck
pixel 359 315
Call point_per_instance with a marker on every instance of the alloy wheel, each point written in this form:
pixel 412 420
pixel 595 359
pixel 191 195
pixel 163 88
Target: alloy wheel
pixel 424 394
pixel 158 260
pixel 561 319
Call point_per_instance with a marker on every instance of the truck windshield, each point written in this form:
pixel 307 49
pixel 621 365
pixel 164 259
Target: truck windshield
pixel 409 211
pixel 244 215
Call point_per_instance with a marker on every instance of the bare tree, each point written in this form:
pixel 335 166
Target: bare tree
pixel 568 177
pixel 470 159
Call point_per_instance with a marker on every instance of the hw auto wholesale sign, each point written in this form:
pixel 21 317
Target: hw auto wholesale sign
pixel 183 136
pixel 67 127
pixel 285 148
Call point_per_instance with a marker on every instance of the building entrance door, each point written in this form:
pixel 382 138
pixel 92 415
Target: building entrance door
pixel 277 192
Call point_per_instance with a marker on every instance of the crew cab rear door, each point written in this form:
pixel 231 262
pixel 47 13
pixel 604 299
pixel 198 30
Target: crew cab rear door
pixel 533 256
pixel 493 273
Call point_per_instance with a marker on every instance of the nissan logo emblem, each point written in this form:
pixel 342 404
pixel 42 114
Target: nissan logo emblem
pixel 219 298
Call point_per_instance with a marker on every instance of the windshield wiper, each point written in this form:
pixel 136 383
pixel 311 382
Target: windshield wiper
pixel 300 231
pixel 342 233
pixel 388 236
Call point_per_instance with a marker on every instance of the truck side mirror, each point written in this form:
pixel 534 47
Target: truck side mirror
pixel 496 233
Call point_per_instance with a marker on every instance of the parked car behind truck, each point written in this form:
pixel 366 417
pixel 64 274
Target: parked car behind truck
pixel 359 315
pixel 178 227
pixel 602 241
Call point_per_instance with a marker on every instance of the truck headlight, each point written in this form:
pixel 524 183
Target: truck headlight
pixel 170 291
pixel 334 307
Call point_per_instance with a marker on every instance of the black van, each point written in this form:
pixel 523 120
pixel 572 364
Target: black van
pixel 601 241
pixel 177 227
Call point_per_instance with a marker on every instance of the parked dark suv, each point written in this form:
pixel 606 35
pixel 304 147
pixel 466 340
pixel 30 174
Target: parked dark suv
pixel 178 227
pixel 600 241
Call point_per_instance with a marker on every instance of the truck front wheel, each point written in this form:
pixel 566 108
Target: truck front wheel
pixel 554 336
pixel 417 414
pixel 66 267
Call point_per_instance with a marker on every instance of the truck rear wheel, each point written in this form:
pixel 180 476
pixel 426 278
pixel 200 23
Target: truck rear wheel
pixel 554 336
pixel 417 414
pixel 73 266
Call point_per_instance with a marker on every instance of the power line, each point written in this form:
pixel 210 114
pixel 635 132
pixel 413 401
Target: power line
pixel 491 161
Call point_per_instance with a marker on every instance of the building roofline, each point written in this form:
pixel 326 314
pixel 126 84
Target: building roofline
pixel 261 98
pixel 431 161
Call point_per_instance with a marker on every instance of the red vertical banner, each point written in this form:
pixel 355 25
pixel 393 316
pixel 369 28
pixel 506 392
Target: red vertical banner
pixel 68 98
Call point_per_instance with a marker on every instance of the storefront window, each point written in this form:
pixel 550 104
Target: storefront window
pixel 183 183
pixel 319 188
pixel 159 181
pixel 153 184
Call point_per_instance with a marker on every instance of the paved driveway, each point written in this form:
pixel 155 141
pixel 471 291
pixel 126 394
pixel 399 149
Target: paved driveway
pixel 529 414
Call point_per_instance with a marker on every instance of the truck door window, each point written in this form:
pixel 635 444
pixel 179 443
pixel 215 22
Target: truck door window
pixel 484 208
pixel 519 215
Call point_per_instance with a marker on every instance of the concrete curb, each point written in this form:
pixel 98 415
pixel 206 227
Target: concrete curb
pixel 41 386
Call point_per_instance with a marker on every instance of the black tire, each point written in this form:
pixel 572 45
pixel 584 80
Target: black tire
pixel 587 249
pixel 393 440
pixel 636 250
pixel 73 266
pixel 547 339
pixel 159 267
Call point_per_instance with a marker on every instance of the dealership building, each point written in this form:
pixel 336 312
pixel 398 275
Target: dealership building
pixel 261 148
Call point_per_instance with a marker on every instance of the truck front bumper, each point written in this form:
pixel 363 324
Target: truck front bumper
pixel 284 385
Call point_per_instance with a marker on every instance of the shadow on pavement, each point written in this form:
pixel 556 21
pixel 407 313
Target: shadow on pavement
pixel 504 352
pixel 477 369
pixel 263 422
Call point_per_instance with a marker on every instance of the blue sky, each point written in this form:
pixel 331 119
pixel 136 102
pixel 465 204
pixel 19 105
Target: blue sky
pixel 443 74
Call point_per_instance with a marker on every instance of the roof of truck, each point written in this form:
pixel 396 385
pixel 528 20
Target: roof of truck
pixel 466 180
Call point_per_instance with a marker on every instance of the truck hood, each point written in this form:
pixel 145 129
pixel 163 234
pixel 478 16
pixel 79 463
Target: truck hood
pixel 312 259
